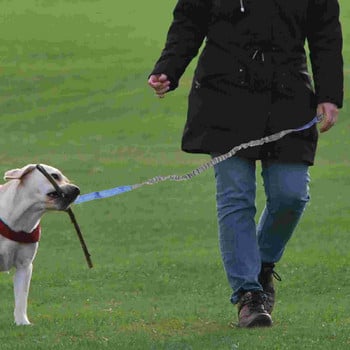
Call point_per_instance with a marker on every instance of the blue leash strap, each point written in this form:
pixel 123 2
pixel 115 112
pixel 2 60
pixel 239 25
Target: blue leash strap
pixel 317 119
pixel 122 189
pixel 103 194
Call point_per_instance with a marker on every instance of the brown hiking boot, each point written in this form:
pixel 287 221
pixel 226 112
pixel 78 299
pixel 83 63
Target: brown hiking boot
pixel 251 311
pixel 266 276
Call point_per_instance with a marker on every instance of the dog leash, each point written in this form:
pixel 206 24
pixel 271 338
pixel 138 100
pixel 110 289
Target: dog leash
pixel 69 211
pixel 122 189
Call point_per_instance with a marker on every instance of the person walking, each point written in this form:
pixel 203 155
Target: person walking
pixel 252 80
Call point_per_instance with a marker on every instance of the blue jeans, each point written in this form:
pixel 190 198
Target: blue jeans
pixel 244 245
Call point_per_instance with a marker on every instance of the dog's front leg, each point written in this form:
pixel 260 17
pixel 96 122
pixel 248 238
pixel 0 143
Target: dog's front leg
pixel 21 288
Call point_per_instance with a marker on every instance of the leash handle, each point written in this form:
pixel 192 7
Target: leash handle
pixel 70 213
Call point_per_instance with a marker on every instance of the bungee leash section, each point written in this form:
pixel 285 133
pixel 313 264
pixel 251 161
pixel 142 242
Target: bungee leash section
pixel 121 189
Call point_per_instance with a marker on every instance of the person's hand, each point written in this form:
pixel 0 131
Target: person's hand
pixel 159 83
pixel 329 111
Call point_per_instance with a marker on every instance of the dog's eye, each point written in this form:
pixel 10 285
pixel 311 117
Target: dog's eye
pixel 55 176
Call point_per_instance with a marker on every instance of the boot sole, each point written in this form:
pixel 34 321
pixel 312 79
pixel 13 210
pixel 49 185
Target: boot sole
pixel 262 320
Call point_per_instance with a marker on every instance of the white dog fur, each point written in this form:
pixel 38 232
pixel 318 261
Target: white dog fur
pixel 23 200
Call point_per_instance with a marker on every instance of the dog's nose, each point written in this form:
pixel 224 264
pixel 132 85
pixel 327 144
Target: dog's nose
pixel 76 191
pixel 71 192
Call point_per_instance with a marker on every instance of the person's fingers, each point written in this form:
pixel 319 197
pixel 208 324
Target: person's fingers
pixel 162 88
pixel 163 78
pixel 158 79
pixel 326 123
pixel 330 115
pixel 153 81
pixel 161 92
pixel 159 83
pixel 320 110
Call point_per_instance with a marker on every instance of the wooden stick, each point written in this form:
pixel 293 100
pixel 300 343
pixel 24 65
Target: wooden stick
pixel 70 213
pixel 80 236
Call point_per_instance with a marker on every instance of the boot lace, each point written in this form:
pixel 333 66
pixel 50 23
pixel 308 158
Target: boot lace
pixel 269 268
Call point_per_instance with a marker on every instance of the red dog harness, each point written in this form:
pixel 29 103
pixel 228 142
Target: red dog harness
pixel 21 236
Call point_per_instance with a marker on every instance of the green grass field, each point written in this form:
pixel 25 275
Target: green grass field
pixel 73 94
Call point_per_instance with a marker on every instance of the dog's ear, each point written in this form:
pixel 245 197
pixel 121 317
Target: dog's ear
pixel 19 173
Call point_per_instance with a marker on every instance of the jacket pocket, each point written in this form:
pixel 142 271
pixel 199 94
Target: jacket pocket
pixel 222 82
pixel 238 68
pixel 290 82
pixel 220 71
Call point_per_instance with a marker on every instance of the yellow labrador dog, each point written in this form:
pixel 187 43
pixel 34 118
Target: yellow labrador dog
pixel 25 197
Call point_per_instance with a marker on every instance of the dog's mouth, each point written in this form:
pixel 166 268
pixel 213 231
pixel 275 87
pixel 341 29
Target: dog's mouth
pixel 53 195
pixel 62 199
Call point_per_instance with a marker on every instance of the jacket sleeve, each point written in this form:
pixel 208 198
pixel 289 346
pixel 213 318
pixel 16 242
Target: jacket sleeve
pixel 324 37
pixel 185 36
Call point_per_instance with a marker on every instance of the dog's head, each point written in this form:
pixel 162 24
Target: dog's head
pixel 39 188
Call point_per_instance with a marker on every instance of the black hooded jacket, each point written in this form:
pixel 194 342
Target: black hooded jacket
pixel 252 78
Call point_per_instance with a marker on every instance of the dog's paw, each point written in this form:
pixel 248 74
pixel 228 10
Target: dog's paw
pixel 23 321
